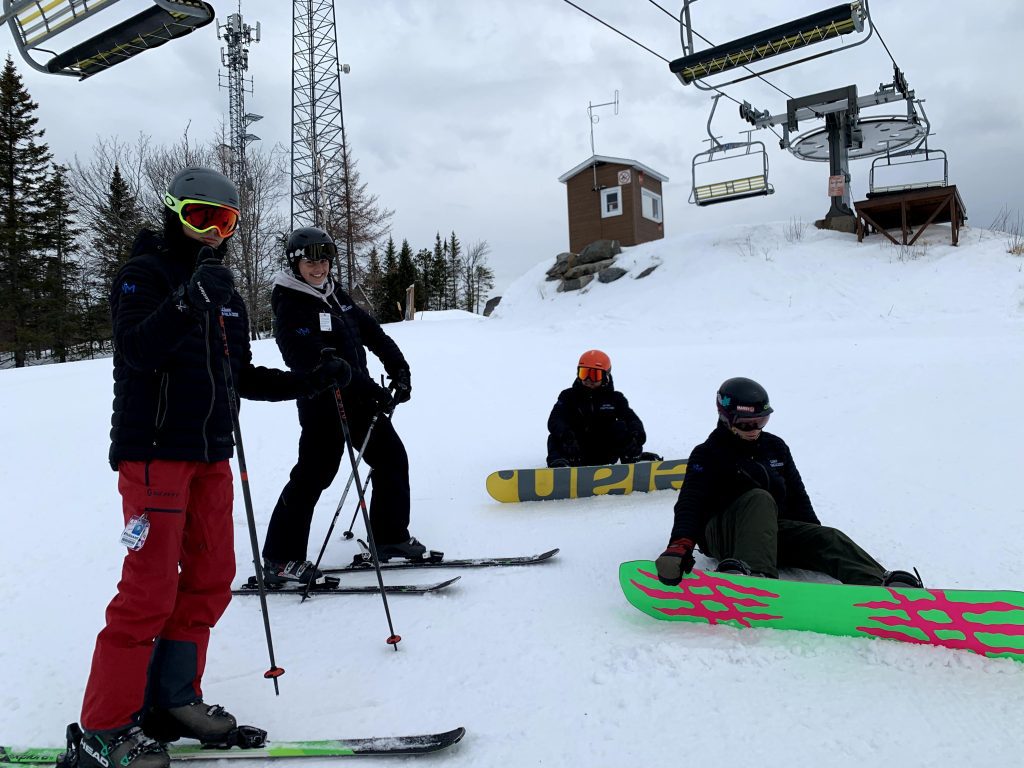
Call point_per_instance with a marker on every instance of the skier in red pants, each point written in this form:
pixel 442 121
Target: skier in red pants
pixel 171 439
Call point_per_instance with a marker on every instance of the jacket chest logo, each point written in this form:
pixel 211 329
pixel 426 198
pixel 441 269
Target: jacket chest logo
pixel 228 312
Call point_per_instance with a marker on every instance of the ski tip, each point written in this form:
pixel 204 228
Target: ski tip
pixel 549 554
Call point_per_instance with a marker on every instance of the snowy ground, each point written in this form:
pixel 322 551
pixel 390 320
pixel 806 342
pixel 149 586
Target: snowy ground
pixel 894 374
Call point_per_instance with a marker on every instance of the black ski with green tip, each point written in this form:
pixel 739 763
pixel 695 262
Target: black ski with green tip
pixel 364 564
pixel 250 588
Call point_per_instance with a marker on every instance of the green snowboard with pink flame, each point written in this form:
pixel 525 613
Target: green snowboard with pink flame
pixel 990 623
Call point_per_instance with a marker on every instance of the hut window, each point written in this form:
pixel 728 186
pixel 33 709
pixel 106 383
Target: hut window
pixel 650 205
pixel 611 202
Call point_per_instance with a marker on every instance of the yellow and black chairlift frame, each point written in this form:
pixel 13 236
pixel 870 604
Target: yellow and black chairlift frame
pixel 829 24
pixel 738 187
pixel 37 22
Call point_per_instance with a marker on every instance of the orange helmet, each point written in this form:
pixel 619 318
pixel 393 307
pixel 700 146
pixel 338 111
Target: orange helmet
pixel 595 358
pixel 594 366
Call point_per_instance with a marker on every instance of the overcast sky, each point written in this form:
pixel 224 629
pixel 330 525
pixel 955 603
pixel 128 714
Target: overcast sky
pixel 463 113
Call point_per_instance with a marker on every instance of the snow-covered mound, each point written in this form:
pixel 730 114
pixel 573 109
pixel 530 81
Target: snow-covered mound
pixel 894 373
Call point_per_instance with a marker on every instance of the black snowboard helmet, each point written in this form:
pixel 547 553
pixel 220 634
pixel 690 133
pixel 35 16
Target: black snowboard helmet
pixel 310 243
pixel 741 398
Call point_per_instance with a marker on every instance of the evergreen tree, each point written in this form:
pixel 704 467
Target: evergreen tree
pixel 423 261
pixel 119 220
pixel 61 314
pixel 24 164
pixel 439 269
pixel 405 275
pixel 454 271
pixel 392 294
pixel 373 282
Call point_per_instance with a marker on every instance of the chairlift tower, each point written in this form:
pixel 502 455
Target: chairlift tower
pixel 238 36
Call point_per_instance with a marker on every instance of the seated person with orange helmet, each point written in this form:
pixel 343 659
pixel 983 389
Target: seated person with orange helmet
pixel 592 423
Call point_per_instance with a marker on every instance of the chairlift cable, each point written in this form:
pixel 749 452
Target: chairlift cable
pixel 613 29
pixel 641 45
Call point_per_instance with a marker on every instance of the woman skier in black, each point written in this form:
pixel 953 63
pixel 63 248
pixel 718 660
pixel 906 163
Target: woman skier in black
pixel 313 315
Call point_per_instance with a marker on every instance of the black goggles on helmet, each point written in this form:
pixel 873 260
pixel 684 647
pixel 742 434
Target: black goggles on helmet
pixel 749 423
pixel 314 252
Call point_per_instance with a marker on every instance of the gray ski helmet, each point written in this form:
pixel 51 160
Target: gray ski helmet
pixel 740 398
pixel 203 184
pixel 309 242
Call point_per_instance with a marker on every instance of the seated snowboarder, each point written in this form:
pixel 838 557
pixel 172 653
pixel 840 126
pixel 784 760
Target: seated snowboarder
pixel 591 423
pixel 743 503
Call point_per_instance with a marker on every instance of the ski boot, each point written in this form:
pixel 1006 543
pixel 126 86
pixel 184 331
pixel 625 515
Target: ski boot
pixel 210 724
pixel 411 550
pixel 902 579
pixel 126 747
pixel 276 573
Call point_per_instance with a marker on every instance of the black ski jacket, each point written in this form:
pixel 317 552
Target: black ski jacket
pixel 307 321
pixel 596 418
pixel 724 467
pixel 170 394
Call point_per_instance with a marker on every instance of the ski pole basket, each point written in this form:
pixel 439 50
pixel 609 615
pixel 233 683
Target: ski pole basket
pixel 35 23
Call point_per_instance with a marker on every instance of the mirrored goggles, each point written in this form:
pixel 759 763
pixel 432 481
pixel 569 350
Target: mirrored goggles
pixel 201 216
pixel 592 374
pixel 750 423
pixel 316 252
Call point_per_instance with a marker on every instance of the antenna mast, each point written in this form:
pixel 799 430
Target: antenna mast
pixel 594 120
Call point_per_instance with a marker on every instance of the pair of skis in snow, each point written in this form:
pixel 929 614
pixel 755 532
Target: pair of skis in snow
pixel 334 587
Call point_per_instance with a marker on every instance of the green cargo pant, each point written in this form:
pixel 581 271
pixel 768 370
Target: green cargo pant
pixel 750 530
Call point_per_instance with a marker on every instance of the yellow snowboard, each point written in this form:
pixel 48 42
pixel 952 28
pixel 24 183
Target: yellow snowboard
pixel 509 485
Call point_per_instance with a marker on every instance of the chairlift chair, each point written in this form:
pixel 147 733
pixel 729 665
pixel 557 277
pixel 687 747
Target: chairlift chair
pixel 35 22
pixel 755 185
pixel 829 24
pixel 917 156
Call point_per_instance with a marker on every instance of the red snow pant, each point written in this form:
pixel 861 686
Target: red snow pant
pixel 172 591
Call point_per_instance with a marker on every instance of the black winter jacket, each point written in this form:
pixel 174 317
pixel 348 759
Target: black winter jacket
pixel 170 394
pixel 307 320
pixel 594 417
pixel 724 467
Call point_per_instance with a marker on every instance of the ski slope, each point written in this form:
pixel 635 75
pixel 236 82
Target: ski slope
pixel 894 374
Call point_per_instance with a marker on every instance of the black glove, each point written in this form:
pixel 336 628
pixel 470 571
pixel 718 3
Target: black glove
pixel 675 561
pixel 380 396
pixel 571 449
pixel 632 449
pixel 211 285
pixel 331 371
pixel 402 382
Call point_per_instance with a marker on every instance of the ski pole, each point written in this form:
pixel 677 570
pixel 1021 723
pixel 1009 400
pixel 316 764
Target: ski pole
pixel 394 639
pixel 347 535
pixel 341 504
pixel 275 671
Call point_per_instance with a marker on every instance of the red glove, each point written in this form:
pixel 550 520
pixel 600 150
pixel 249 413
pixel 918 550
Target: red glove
pixel 676 560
